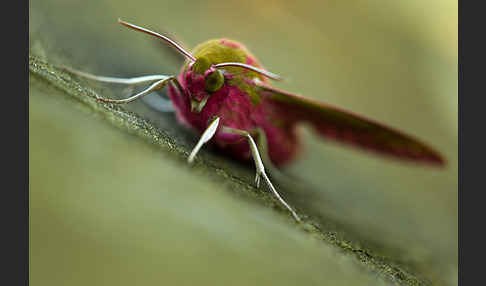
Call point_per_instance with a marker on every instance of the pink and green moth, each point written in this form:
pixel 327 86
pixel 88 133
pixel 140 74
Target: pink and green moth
pixel 224 93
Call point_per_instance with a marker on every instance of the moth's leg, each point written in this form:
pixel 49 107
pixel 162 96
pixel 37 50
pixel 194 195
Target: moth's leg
pixel 178 85
pixel 134 81
pixel 161 104
pixel 262 143
pixel 260 169
pixel 205 137
pixel 155 86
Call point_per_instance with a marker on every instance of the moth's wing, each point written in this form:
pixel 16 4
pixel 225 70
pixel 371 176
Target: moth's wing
pixel 349 128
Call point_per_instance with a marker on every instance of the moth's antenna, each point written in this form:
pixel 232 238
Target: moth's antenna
pixel 171 42
pixel 249 67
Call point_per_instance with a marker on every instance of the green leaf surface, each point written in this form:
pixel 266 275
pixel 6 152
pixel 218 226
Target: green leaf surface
pixel 106 208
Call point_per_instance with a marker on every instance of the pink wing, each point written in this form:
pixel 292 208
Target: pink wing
pixel 346 127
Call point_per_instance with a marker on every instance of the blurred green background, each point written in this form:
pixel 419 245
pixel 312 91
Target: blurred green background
pixel 106 208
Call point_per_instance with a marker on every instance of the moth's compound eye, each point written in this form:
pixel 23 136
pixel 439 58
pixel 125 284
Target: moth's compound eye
pixel 214 81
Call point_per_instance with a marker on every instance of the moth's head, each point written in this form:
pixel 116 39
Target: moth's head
pixel 212 76
pixel 217 61
pixel 202 79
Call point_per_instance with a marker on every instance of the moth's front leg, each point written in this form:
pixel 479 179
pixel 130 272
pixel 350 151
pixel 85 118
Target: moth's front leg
pixel 260 168
pixel 158 82
pixel 205 137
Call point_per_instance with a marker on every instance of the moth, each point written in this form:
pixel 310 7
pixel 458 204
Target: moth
pixel 224 93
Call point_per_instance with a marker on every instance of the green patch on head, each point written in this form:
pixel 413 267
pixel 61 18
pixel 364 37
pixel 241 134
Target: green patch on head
pixel 217 52
pixel 222 51
pixel 201 65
